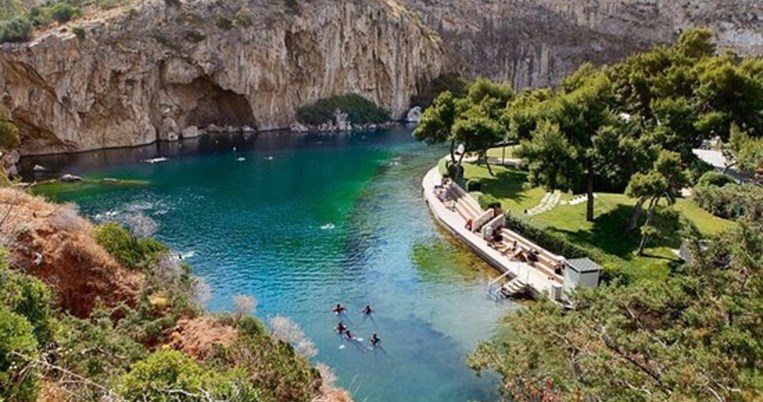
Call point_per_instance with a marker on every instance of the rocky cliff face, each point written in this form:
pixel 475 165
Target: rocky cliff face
pixel 537 42
pixel 161 71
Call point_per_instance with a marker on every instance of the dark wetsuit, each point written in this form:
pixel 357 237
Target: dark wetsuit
pixel 375 340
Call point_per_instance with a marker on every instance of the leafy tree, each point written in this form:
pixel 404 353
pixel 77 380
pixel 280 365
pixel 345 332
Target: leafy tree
pixel 744 152
pixel 437 122
pixel 550 157
pixel 523 112
pixel 15 30
pixel 169 376
pixel 18 381
pixel 694 336
pixel 732 94
pixel 478 133
pixel 471 120
pixel 63 12
pixel 359 110
pixel 664 180
pixel 492 97
pixel 580 114
pixel 28 297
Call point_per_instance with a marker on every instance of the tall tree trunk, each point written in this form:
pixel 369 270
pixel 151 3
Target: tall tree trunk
pixel 487 164
pixel 637 211
pixel 649 217
pixel 459 170
pixel 452 151
pixel 589 192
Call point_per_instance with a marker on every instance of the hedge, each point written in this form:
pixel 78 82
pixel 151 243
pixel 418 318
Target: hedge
pixel 555 243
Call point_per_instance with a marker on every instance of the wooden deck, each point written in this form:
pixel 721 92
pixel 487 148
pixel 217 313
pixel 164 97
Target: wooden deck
pixel 539 279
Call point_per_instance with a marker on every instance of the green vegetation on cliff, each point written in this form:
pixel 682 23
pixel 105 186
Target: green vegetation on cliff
pixel 359 110
pixel 17 18
pixel 146 338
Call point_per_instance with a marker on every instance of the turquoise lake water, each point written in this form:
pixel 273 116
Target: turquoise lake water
pixel 307 221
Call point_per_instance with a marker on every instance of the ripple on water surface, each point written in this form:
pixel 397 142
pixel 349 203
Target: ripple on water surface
pixel 319 223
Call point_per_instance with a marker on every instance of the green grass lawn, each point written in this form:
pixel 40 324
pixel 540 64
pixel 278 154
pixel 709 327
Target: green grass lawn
pixel 606 237
pixel 498 152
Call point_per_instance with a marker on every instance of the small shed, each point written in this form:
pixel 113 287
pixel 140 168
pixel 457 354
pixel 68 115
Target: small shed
pixel 580 271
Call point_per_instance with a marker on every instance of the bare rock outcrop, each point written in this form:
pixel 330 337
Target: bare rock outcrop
pixel 163 72
pixel 157 70
pixel 537 42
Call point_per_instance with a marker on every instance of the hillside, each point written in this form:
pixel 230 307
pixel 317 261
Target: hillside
pixel 100 312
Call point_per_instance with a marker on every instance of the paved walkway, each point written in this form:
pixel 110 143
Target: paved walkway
pixel 538 282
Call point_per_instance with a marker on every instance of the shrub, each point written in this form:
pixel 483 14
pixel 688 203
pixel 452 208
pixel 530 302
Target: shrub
pixel 193 35
pixel 487 201
pixel 28 297
pixel 359 110
pixel 716 179
pixel 15 30
pixel 165 370
pixel 93 348
pixel 132 252
pixel 79 32
pixel 63 12
pixel 730 201
pixel 473 185
pixel 244 19
pixel 282 374
pixel 292 5
pixel 697 168
pixel 224 22
pixel 550 241
pixel 66 218
pixel 16 382
pixel 108 4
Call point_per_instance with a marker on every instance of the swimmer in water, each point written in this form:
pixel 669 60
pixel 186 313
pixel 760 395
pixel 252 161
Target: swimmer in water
pixel 375 340
pixel 341 327
pixel 348 335
pixel 367 310
pixel 338 309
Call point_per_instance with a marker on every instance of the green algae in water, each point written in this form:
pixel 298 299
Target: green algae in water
pixel 58 190
pixel 260 227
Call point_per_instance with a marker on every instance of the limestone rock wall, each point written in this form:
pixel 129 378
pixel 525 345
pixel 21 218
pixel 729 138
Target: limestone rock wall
pixel 537 42
pixel 160 71
pixel 151 73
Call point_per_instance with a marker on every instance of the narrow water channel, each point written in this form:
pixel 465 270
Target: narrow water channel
pixel 304 222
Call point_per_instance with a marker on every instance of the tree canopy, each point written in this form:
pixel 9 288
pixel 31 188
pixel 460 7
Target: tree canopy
pixel 696 336
pixel 471 120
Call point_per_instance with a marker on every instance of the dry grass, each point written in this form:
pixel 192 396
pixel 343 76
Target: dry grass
pixel 329 391
pixel 55 244
pixel 197 337
pixel 285 329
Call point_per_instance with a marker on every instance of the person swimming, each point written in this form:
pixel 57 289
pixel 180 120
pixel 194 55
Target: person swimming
pixel 375 340
pixel 348 335
pixel 341 327
pixel 338 309
pixel 367 310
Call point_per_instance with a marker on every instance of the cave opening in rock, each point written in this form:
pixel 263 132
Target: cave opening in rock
pixel 212 105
